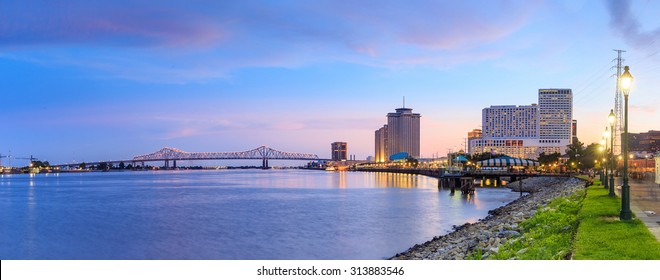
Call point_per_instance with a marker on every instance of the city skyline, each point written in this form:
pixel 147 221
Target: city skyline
pixel 100 81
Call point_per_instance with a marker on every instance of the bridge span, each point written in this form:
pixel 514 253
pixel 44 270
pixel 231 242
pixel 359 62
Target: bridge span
pixel 166 155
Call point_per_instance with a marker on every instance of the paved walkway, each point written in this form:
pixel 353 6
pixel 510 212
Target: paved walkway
pixel 644 202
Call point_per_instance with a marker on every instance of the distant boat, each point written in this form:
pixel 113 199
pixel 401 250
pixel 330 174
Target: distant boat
pixel 330 168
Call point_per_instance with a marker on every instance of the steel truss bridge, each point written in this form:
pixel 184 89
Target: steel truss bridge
pixel 166 154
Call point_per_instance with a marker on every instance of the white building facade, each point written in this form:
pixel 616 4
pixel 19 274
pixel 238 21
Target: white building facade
pixel 527 131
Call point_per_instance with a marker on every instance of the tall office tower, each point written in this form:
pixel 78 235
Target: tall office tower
pixel 381 144
pixel 403 132
pixel 339 151
pixel 556 115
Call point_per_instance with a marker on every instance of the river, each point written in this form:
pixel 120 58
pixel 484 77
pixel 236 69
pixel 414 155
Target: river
pixel 228 214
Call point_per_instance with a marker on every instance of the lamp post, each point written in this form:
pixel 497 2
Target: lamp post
pixel 625 214
pixel 603 174
pixel 611 118
pixel 604 145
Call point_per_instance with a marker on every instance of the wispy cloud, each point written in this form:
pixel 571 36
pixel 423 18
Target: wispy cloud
pixel 181 41
pixel 627 26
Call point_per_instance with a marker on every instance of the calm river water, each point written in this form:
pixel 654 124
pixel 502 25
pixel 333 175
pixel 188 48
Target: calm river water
pixel 228 214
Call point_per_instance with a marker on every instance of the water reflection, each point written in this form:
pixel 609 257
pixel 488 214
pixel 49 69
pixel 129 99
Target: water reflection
pixel 238 214
pixel 395 180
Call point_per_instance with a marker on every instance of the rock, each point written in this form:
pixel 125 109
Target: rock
pixel 499 227
pixel 472 244
pixel 509 233
pixel 521 251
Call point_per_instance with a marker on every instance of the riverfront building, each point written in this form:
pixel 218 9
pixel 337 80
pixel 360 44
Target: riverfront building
pixel 527 131
pixel 381 144
pixel 399 135
pixel 403 132
pixel 339 151
pixel 644 141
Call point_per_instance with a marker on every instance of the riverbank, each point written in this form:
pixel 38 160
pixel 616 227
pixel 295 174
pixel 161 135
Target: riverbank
pixel 501 226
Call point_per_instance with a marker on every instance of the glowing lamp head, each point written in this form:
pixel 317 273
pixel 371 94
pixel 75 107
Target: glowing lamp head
pixel 611 118
pixel 626 80
pixel 606 134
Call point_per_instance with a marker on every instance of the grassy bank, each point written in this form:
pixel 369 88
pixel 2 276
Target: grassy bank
pixel 602 236
pixel 582 226
pixel 548 235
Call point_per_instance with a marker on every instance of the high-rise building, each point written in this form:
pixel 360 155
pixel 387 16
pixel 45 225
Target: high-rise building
pixel 556 114
pixel 403 132
pixel 510 122
pixel 339 151
pixel 381 144
pixel 527 131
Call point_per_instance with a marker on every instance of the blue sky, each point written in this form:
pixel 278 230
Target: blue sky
pixel 101 80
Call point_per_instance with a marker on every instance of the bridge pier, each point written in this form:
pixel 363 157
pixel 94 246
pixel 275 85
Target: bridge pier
pixel 467 185
pixel 174 164
pixel 264 163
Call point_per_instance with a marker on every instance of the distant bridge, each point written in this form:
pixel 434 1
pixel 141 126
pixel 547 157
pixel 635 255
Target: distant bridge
pixel 262 153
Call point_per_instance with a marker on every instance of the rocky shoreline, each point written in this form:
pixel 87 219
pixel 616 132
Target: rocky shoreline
pixel 499 227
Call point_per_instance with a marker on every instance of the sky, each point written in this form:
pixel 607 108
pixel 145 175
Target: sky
pixel 107 80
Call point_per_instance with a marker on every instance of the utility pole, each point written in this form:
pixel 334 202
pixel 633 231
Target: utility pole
pixel 618 103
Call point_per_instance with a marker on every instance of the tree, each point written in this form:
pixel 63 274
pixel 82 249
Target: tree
pixel 548 159
pixel 412 161
pixel 121 165
pixel 83 166
pixel 590 155
pixel 103 166
pixel 575 151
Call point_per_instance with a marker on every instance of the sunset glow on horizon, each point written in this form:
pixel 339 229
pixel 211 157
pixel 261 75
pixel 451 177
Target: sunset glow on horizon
pixel 105 80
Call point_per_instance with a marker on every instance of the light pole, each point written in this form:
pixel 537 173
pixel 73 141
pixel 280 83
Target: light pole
pixel 626 82
pixel 603 149
pixel 611 118
pixel 604 144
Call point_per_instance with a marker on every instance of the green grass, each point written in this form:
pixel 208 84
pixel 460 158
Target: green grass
pixel 601 236
pixel 548 235
pixel 582 226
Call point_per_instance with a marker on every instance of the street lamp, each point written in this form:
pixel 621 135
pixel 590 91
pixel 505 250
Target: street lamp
pixel 611 118
pixel 603 166
pixel 626 82
pixel 603 141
